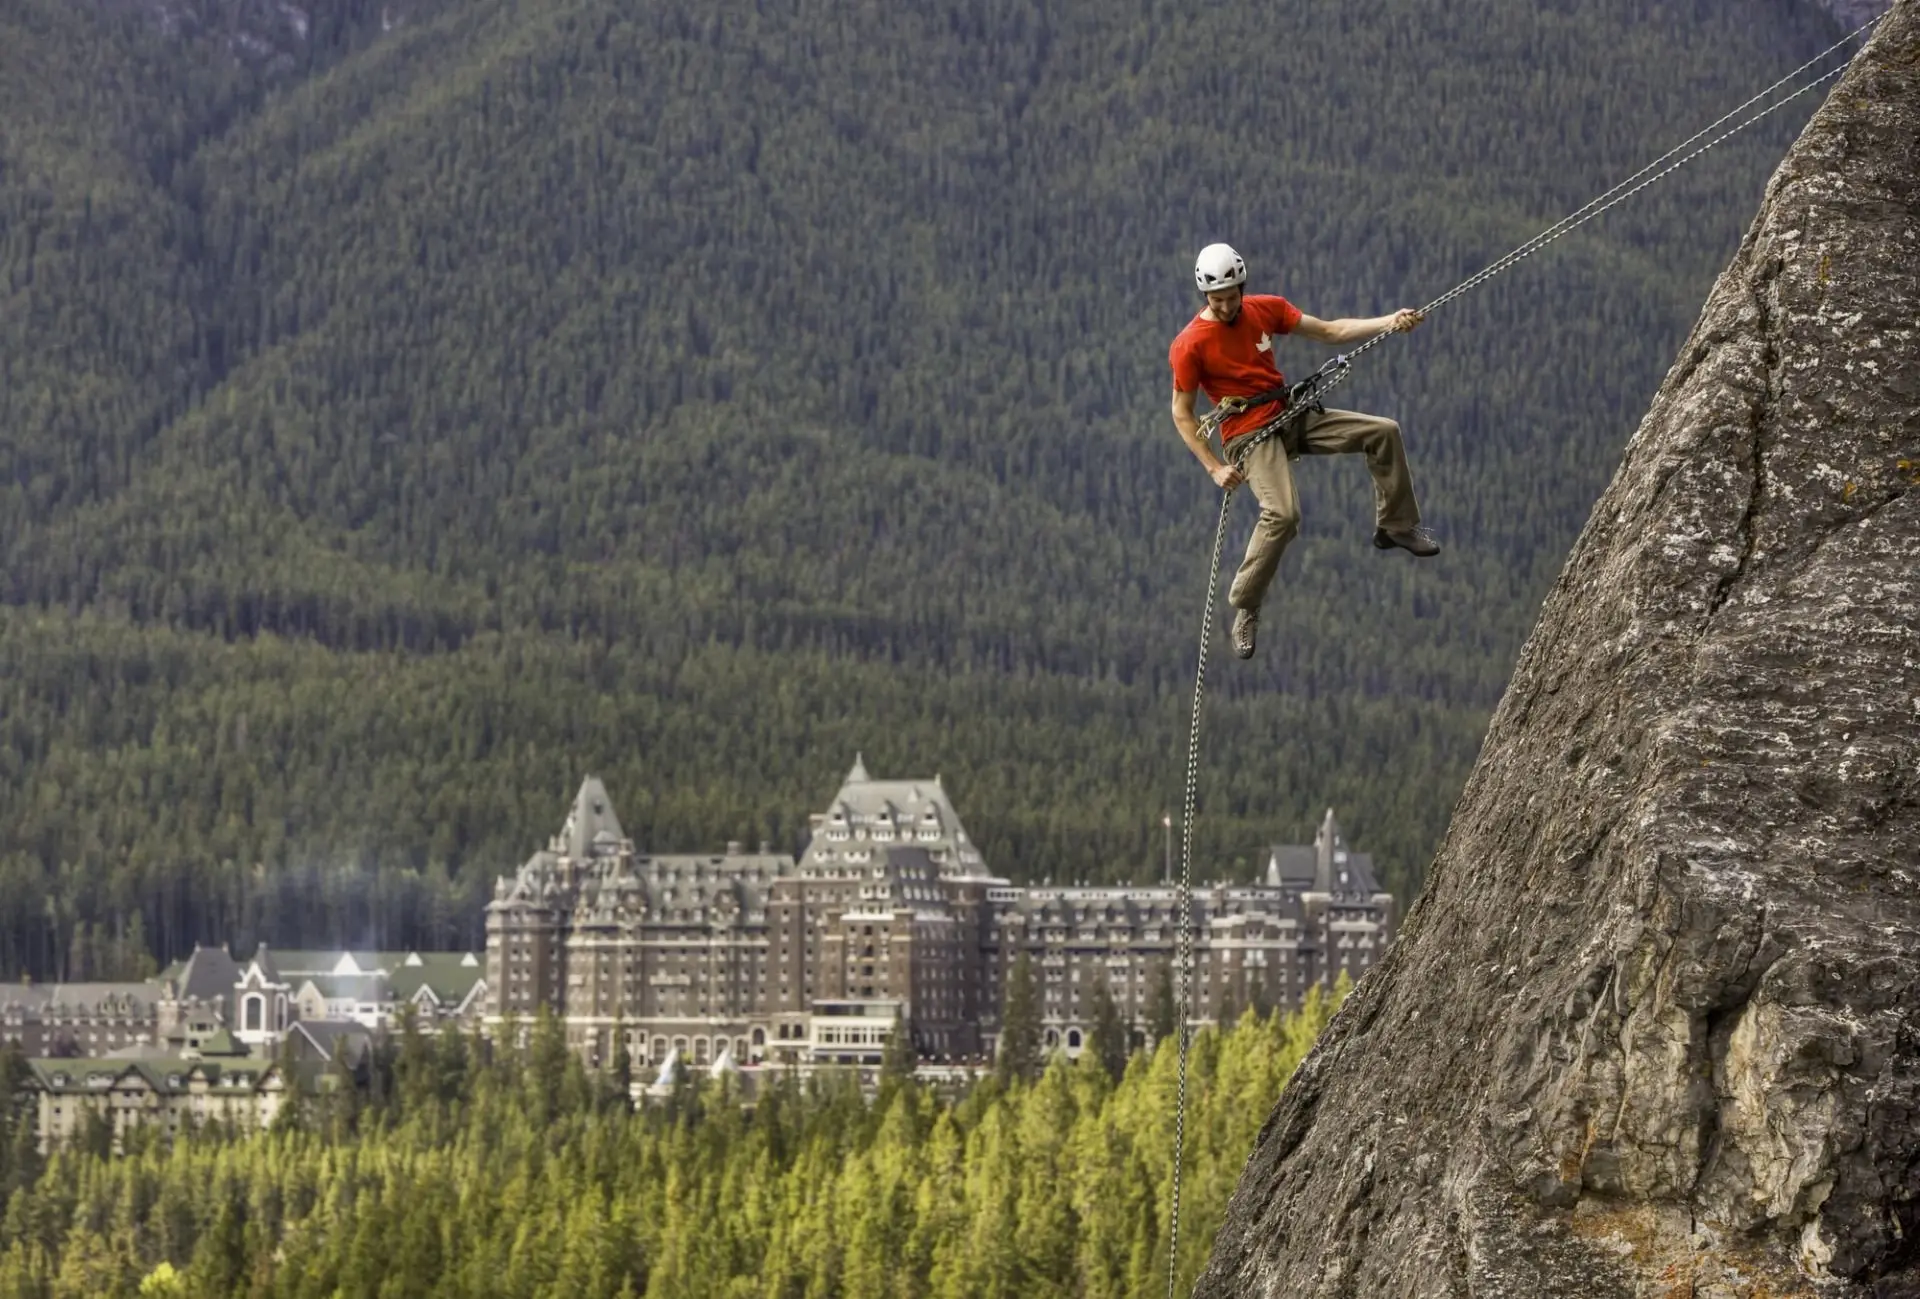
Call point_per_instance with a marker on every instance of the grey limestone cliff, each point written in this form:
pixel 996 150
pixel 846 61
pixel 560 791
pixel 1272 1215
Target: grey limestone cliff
pixel 1654 1028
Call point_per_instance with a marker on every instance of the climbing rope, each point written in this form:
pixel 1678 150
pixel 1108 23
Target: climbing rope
pixel 1183 891
pixel 1305 396
pixel 1183 894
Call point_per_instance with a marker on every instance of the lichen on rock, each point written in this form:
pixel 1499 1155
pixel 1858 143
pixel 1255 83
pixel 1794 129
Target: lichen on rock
pixel 1654 1027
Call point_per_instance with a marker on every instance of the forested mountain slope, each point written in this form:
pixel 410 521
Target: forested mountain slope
pixel 697 394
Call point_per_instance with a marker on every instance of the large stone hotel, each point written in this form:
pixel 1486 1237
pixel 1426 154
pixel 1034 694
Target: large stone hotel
pixel 888 921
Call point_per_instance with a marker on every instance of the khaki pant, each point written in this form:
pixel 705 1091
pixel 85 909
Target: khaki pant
pixel 1333 432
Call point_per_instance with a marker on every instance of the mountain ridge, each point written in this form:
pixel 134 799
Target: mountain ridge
pixel 637 331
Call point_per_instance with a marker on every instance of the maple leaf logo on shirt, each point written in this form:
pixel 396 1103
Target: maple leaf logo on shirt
pixel 1265 344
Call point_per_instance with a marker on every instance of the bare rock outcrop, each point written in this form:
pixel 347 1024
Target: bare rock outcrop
pixel 1654 1028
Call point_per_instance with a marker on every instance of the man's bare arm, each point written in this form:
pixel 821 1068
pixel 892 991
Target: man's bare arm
pixel 1356 329
pixel 1224 475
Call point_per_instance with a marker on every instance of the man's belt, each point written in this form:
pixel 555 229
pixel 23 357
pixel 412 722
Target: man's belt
pixel 1295 401
pixel 1231 406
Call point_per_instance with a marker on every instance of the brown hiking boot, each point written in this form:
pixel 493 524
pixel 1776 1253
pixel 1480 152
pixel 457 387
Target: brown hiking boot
pixel 1417 540
pixel 1245 623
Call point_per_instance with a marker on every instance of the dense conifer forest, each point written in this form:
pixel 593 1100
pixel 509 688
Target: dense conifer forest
pixel 526 1177
pixel 408 413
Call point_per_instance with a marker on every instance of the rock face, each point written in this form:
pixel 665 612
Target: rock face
pixel 1654 1028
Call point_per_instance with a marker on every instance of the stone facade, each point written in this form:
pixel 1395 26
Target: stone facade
pixel 78 1019
pixel 1318 915
pixel 889 919
pixel 171 1093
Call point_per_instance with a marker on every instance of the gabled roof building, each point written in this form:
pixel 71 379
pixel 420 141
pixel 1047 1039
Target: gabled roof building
pixel 74 1019
pixel 256 1001
pixel 170 1092
pixel 888 921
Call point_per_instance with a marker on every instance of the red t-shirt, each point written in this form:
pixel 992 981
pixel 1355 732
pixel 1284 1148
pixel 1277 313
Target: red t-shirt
pixel 1234 360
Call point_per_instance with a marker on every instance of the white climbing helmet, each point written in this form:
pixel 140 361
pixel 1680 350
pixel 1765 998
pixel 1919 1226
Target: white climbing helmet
pixel 1218 267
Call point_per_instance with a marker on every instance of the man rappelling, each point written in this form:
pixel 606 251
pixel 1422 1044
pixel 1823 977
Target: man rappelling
pixel 1227 352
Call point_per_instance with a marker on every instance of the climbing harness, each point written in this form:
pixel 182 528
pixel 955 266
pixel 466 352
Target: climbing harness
pixel 1306 396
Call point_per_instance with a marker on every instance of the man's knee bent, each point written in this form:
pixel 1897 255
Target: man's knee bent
pixel 1382 441
pixel 1280 525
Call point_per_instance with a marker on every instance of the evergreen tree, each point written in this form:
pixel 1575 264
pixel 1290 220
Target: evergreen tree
pixel 378 1066
pixel 20 1161
pixel 80 953
pixel 163 1283
pixel 898 1060
pixel 94 1135
pixel 454 1058
pixel 1162 1016
pixel 1107 1034
pixel 89 1265
pixel 220 1254
pixel 622 1073
pixel 131 958
pixel 1020 1024
pixel 578 1090
pixel 15 1074
pixel 414 1070
pixel 340 1096
pixel 291 1115
pixel 1257 998
pixel 547 1060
